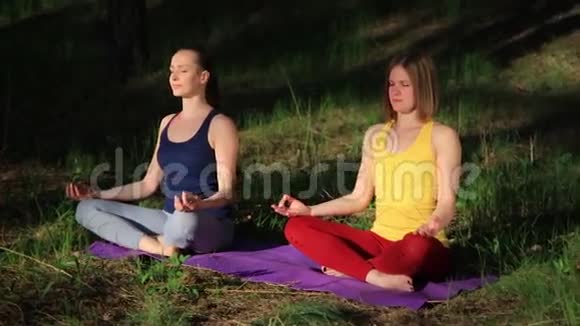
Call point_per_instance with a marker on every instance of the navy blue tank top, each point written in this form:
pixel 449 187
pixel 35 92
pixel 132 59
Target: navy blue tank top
pixel 189 166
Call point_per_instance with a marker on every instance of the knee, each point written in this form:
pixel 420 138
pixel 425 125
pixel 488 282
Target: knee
pixel 85 208
pixel 416 247
pixel 294 228
pixel 180 229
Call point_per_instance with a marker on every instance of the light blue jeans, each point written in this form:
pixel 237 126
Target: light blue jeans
pixel 126 224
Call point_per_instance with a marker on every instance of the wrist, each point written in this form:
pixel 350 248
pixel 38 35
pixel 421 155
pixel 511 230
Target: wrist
pixel 311 210
pixel 202 204
pixel 95 194
pixel 439 222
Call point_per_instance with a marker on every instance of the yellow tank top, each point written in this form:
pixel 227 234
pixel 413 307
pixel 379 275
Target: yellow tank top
pixel 405 184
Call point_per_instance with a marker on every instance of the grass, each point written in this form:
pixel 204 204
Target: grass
pixel 306 313
pixel 157 311
pixel 557 63
pixel 548 291
pixel 518 203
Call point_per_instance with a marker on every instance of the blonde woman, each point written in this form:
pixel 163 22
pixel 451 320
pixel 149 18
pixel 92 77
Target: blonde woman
pixel 410 164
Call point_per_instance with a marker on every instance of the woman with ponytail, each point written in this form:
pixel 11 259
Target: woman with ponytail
pixel 194 162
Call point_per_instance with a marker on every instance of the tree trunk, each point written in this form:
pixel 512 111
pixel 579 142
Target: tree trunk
pixel 127 29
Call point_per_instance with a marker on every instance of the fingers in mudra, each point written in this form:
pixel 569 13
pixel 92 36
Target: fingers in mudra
pixel 177 203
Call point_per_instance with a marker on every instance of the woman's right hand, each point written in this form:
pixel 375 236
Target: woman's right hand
pixel 289 206
pixel 77 191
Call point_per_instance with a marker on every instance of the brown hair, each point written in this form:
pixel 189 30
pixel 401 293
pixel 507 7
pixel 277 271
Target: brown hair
pixel 423 77
pixel 212 92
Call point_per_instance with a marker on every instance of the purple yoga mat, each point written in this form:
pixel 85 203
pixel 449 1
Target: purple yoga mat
pixel 286 265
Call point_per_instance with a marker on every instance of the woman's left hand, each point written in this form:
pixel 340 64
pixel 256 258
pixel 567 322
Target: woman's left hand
pixel 187 202
pixel 431 228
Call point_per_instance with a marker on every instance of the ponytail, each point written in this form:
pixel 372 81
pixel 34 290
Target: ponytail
pixel 212 92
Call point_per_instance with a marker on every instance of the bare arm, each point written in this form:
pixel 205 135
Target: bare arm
pixel 363 191
pixel 448 161
pixel 223 137
pixel 145 187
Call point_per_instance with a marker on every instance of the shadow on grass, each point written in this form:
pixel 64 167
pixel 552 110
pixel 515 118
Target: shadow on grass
pixel 550 118
pixel 70 102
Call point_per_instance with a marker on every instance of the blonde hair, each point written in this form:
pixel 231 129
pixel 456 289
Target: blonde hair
pixel 423 77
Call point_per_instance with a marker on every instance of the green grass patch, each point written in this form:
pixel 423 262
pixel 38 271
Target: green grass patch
pixel 307 313
pixel 548 292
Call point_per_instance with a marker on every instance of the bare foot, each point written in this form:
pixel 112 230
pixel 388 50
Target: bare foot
pixel 150 245
pixel 332 272
pixel 389 281
pixel 166 250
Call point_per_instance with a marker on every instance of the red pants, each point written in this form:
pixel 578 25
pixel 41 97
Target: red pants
pixel 355 252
